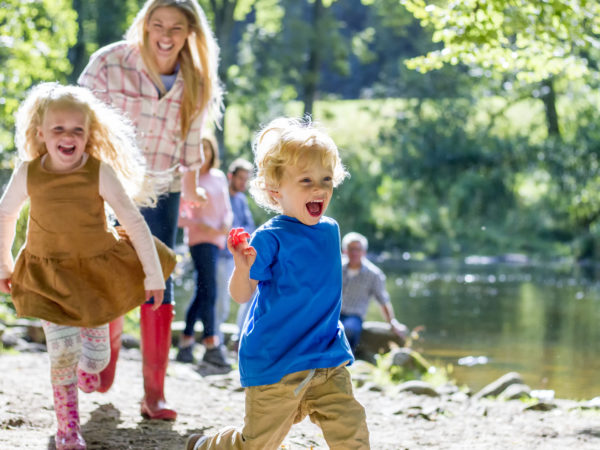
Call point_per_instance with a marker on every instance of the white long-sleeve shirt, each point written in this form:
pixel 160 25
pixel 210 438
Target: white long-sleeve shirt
pixel 112 191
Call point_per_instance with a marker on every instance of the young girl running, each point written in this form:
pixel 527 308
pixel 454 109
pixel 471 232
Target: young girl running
pixel 74 272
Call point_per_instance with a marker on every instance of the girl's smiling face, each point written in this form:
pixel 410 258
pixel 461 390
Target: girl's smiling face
pixel 168 30
pixel 304 192
pixel 64 131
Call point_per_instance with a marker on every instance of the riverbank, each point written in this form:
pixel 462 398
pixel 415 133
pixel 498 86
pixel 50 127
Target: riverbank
pixel 397 420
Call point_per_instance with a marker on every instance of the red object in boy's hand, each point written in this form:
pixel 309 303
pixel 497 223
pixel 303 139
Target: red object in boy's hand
pixel 237 236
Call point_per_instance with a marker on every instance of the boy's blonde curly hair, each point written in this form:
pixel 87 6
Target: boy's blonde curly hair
pixel 286 142
pixel 111 137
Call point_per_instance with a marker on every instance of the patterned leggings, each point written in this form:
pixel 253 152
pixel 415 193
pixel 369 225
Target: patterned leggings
pixel 70 347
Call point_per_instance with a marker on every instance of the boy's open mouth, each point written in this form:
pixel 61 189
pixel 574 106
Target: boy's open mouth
pixel 66 149
pixel 315 209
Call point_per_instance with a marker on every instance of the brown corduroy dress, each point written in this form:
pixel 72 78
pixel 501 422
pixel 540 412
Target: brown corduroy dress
pixel 74 270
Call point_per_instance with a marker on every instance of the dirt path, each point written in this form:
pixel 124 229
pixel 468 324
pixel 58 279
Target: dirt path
pixel 207 403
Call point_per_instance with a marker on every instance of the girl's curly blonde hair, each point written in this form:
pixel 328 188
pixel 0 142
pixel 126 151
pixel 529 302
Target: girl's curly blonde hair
pixel 286 142
pixel 111 137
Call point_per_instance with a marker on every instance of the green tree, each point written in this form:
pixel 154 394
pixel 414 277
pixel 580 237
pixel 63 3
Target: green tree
pixel 536 41
pixel 545 50
pixel 34 39
pixel 99 23
pixel 230 20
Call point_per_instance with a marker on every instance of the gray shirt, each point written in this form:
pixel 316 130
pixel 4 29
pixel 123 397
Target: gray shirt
pixel 358 290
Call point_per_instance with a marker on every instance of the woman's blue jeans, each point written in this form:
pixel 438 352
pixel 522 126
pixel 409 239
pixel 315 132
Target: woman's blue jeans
pixel 162 221
pixel 202 304
pixel 352 328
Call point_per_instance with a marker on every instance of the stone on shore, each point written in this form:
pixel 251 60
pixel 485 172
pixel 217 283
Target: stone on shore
pixel 495 388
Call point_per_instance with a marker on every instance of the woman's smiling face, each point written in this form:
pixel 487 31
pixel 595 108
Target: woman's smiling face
pixel 168 30
pixel 64 131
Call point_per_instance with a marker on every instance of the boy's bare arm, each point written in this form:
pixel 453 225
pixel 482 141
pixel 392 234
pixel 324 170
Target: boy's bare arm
pixel 241 286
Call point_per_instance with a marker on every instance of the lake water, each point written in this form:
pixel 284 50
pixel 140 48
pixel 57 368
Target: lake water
pixel 540 321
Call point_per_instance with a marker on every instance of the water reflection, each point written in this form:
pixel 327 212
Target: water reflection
pixel 540 321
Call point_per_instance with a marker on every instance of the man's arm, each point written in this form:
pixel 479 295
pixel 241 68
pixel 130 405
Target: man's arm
pixel 398 328
pixel 383 297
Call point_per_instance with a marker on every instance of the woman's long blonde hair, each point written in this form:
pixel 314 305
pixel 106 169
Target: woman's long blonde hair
pixel 111 137
pixel 198 60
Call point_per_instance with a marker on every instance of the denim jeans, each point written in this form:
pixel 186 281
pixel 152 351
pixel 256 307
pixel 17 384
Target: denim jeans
pixel 352 328
pixel 202 304
pixel 162 221
pixel 223 304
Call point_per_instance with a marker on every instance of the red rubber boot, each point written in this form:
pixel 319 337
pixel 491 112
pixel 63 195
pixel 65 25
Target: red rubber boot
pixel 155 328
pixel 107 376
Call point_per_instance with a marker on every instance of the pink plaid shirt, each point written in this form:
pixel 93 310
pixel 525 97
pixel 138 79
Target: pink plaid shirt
pixel 117 75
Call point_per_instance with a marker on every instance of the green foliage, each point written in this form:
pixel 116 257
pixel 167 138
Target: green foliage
pixel 7 309
pixel 449 161
pixel 385 373
pixel 270 67
pixel 100 23
pixel 269 15
pixel 449 187
pixel 572 168
pixel 34 39
pixel 456 176
pixel 450 176
pixel 535 39
pixel 21 229
pixel 132 323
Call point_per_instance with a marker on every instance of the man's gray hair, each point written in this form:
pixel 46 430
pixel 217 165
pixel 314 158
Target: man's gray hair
pixel 353 236
pixel 240 164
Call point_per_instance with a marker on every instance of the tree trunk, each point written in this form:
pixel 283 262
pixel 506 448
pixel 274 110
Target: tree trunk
pixel 76 54
pixel 549 99
pixel 109 15
pixel 311 78
pixel 223 26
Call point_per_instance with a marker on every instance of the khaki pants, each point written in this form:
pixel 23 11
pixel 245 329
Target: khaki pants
pixel 325 395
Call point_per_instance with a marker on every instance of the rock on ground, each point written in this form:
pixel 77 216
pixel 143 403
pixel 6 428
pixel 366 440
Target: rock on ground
pixel 206 403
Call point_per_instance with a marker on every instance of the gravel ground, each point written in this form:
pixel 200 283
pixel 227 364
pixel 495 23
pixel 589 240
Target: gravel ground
pixel 206 403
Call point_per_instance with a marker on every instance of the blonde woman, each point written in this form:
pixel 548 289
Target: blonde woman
pixel 73 272
pixel 164 78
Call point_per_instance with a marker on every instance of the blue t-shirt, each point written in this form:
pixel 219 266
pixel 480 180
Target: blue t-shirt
pixel 293 322
pixel 169 80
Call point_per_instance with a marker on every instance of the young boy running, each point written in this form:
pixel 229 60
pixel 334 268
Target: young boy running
pixel 293 351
